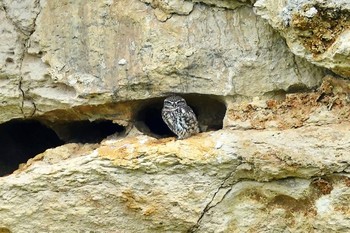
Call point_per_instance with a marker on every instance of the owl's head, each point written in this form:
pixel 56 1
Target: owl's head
pixel 174 102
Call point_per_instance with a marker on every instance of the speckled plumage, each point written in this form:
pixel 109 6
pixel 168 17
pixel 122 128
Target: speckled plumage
pixel 179 117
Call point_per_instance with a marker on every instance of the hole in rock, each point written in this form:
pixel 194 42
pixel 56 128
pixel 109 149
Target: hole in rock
pixel 4 230
pixel 21 140
pixel 298 88
pixel 9 60
pixel 149 119
pixel 210 111
pixel 85 131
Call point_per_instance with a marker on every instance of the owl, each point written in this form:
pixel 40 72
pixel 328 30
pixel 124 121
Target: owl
pixel 179 117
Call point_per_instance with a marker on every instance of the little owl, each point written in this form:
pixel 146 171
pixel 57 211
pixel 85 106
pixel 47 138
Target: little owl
pixel 179 117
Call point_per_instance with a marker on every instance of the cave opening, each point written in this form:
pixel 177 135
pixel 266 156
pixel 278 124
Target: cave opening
pixel 85 131
pixel 21 140
pixel 149 119
pixel 210 111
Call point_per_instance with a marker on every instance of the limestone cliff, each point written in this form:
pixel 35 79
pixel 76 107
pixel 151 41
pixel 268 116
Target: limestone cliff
pixel 82 85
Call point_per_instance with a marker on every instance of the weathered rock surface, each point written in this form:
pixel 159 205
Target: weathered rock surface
pixel 93 53
pixel 281 163
pixel 328 105
pixel 224 181
pixel 316 30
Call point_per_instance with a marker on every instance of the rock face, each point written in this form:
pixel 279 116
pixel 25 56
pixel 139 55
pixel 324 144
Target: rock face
pixel 273 155
pixel 224 181
pixel 316 30
pixel 93 53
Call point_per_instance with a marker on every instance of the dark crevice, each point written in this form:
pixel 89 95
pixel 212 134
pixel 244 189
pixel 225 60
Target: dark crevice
pixel 21 140
pixel 9 60
pixel 4 230
pixel 298 88
pixel 209 204
pixel 22 95
pixel 210 112
pixel 149 119
pixel 85 131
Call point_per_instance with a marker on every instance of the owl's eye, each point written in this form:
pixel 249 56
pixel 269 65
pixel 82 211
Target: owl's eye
pixel 181 102
pixel 168 102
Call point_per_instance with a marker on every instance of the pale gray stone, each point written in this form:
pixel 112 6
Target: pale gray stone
pixel 320 43
pixel 254 180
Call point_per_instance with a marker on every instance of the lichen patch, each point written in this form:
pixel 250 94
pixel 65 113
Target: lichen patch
pixel 329 104
pixel 319 31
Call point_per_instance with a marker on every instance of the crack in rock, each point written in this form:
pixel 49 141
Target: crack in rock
pixel 211 203
pixel 22 92
pixel 25 51
pixel 12 22
pixel 229 187
pixel 27 32
pixel 26 35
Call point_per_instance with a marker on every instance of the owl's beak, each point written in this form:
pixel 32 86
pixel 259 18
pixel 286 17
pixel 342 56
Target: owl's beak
pixel 170 108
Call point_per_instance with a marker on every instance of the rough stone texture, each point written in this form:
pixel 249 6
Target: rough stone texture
pixel 11 52
pixel 97 52
pixel 237 181
pixel 281 163
pixel 165 9
pixel 328 105
pixel 316 30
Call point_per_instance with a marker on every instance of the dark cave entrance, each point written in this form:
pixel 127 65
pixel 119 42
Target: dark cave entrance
pixel 210 111
pixel 149 119
pixel 21 140
pixel 85 131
